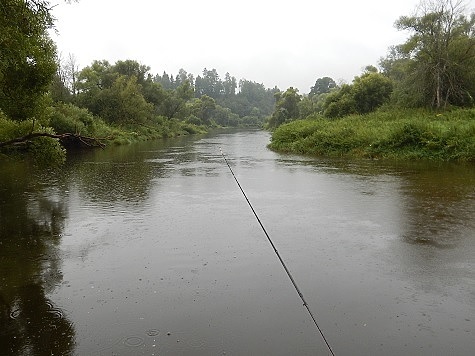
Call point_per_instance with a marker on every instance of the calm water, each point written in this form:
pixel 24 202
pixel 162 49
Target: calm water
pixel 152 250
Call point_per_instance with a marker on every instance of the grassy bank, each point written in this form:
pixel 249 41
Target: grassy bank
pixel 402 134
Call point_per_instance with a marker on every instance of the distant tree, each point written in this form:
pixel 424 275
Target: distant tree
pixel 165 80
pixel 131 68
pixel 124 103
pixel 64 85
pixel 153 92
pixel 396 64
pixel 91 81
pixel 225 117
pixel 370 91
pixel 310 105
pixel 99 75
pixel 340 103
pixel 286 107
pixel 71 71
pixel 183 76
pixel 203 108
pixel 322 86
pixel 174 102
pixel 58 89
pixel 366 93
pixel 229 85
pixel 255 95
pixel 209 84
pixel 370 69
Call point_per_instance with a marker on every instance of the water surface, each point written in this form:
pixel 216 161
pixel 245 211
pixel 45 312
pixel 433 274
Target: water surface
pixel 151 249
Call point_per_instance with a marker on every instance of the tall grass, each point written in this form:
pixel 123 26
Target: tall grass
pixel 397 134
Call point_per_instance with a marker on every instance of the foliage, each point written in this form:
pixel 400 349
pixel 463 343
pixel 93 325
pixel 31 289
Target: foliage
pixel 440 54
pixel 42 151
pixel 209 84
pixel 286 107
pixel 364 95
pixel 203 108
pixel 370 91
pixel 68 118
pixel 27 62
pixel 340 102
pixel 400 134
pixel 322 86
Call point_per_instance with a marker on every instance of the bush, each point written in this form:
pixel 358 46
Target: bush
pixel 67 118
pixel 43 151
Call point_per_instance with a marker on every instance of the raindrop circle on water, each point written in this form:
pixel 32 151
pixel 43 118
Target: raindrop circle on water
pixel 134 341
pixel 153 332
pixel 15 313
pixel 56 313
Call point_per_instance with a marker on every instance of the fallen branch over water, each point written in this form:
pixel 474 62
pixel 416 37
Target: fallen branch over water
pixel 67 139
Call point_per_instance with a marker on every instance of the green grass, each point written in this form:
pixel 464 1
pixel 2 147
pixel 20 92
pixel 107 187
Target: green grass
pixel 401 134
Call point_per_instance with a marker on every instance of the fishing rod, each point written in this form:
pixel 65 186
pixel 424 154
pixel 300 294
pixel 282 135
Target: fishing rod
pixel 305 304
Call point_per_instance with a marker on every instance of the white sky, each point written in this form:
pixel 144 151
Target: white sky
pixel 274 42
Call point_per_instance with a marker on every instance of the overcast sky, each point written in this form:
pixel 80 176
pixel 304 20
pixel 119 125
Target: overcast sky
pixel 284 43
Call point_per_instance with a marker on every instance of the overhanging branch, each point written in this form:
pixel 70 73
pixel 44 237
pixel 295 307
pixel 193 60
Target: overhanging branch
pixel 66 138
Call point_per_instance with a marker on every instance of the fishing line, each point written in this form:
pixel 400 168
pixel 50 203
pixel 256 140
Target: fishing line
pixel 278 255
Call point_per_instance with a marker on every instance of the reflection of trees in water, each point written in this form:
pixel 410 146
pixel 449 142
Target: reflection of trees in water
pixel 118 175
pixel 31 222
pixel 34 326
pixel 112 181
pixel 438 199
pixel 440 205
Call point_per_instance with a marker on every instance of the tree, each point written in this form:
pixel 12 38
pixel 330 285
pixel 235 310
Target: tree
pixel 370 91
pixel 131 68
pixel 183 76
pixel 322 86
pixel 340 103
pixel 27 61
pixel 255 95
pixel 442 53
pixel 229 85
pixel 203 108
pixel 366 93
pixel 124 103
pixel 58 88
pixel 209 84
pixel 64 85
pixel 174 101
pixel 286 107
pixel 91 81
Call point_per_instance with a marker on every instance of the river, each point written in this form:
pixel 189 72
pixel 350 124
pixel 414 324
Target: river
pixel 151 249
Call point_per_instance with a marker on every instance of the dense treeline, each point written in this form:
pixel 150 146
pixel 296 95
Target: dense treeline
pixel 127 93
pixel 420 99
pixel 48 103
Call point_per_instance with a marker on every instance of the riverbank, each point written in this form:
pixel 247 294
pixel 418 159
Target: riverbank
pixel 67 127
pixel 401 134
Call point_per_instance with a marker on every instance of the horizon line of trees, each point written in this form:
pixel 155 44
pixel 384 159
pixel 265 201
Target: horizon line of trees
pixel 434 68
pixel 126 92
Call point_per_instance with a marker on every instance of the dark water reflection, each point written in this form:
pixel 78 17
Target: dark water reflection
pixel 32 220
pixel 151 249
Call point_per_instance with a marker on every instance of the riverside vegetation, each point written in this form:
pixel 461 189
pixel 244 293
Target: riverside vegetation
pixel 418 103
pixel 48 104
pixel 395 134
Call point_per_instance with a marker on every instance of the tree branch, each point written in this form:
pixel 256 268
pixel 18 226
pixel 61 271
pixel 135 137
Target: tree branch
pixel 87 141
